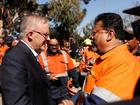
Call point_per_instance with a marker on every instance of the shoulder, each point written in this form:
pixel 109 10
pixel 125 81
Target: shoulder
pixel 20 51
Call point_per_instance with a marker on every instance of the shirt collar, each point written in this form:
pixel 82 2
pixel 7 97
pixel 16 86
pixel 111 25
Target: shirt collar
pixel 114 50
pixel 33 51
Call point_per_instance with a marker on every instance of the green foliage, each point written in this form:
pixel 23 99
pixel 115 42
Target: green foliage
pixel 79 40
pixel 66 15
pixel 11 7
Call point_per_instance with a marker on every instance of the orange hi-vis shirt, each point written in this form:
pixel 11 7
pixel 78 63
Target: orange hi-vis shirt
pixel 87 57
pixel 90 54
pixel 56 63
pixel 2 51
pixel 137 58
pixel 116 71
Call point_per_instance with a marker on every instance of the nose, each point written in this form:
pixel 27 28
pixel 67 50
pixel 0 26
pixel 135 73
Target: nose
pixel 93 36
pixel 48 38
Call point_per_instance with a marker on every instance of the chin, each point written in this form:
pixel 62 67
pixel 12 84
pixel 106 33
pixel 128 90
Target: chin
pixel 54 51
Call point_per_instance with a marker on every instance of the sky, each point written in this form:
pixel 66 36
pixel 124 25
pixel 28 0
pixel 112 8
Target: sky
pixel 95 7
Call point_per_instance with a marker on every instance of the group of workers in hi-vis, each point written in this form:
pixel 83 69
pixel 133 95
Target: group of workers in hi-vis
pixel 38 69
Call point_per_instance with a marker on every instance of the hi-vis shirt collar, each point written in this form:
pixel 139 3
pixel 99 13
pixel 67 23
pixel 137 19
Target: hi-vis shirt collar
pixel 114 50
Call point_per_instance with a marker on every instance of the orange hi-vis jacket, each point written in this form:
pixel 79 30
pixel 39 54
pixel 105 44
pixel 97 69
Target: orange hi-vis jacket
pixel 114 75
pixel 56 63
pixel 88 56
pixel 2 51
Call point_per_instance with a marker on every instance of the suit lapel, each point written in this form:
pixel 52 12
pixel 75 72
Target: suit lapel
pixel 33 64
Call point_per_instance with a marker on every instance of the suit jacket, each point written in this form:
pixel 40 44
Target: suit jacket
pixel 23 81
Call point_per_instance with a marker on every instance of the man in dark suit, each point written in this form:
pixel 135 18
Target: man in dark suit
pixel 23 81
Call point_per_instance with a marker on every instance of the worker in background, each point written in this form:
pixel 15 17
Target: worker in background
pixel 58 67
pixel 88 58
pixel 71 88
pixel 136 29
pixel 136 40
pixel 132 43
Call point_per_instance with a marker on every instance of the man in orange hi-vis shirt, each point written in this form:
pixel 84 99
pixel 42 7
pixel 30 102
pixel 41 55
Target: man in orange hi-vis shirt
pixel 114 74
pixel 58 66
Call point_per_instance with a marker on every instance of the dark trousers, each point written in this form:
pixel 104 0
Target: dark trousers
pixel 58 89
pixel 81 79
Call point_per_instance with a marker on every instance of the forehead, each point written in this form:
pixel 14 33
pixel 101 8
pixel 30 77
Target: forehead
pixel 66 43
pixel 53 41
pixel 43 27
pixel 98 26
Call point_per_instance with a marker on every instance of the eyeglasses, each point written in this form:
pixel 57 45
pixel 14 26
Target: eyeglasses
pixel 45 35
pixel 99 31
pixel 53 45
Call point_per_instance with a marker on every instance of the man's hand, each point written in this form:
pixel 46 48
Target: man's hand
pixel 66 102
pixel 87 69
pixel 53 77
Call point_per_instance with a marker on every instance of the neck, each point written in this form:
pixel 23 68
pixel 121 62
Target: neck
pixel 28 43
pixel 115 44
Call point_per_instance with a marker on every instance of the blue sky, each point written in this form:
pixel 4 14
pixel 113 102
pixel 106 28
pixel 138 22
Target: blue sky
pixel 96 7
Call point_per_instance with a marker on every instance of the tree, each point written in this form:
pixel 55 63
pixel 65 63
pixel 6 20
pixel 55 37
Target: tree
pixel 87 30
pixel 14 10
pixel 66 15
pixel 11 7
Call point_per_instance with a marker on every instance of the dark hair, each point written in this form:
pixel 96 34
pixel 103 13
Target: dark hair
pixel 112 21
pixel 53 36
pixel 136 29
pixel 8 40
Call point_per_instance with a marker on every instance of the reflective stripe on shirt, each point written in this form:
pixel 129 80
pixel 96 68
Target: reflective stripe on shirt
pixel 105 94
pixel 46 64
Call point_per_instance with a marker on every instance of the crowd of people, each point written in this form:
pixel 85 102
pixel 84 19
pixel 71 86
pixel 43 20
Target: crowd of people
pixel 35 69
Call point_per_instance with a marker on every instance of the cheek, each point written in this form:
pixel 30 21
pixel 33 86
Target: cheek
pixel 40 40
pixel 100 39
pixel 100 42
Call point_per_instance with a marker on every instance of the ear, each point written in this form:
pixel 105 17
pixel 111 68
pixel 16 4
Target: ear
pixel 110 35
pixel 30 36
